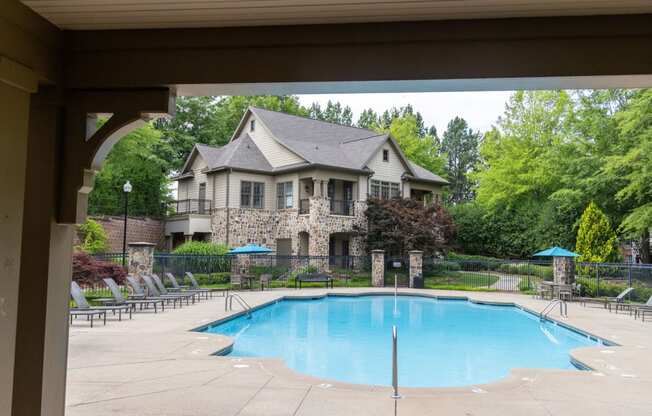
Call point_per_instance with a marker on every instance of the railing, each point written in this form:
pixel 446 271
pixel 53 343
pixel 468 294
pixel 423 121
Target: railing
pixel 342 207
pixel 563 309
pixel 228 304
pixel 100 290
pixel 190 206
pixel 395 394
pixel 609 279
pixel 304 206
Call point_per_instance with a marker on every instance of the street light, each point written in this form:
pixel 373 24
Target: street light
pixel 126 188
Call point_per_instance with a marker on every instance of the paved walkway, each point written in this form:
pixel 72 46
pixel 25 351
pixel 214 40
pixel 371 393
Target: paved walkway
pixel 507 283
pixel 153 365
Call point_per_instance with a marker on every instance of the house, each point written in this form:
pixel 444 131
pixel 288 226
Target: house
pixel 291 183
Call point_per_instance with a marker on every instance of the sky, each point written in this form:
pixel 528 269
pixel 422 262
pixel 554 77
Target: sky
pixel 479 109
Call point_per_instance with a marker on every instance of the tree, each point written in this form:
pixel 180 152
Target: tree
pixel 422 150
pixel 460 145
pixel 399 225
pixel 333 113
pixel 596 241
pixel 631 169
pixel 369 119
pixel 136 159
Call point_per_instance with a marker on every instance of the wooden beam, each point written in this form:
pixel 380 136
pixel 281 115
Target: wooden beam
pixel 464 49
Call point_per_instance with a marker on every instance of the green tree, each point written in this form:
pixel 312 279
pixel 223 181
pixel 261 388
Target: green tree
pixel 135 159
pixel 631 169
pixel 596 240
pixel 333 113
pixel 422 150
pixel 368 119
pixel 460 144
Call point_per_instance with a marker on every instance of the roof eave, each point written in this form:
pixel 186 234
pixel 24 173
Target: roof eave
pixel 411 178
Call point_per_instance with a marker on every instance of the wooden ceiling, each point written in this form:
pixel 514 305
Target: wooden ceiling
pixel 137 14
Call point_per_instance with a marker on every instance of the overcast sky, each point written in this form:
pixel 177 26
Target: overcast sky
pixel 480 109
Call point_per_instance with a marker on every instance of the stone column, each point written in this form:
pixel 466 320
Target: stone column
pixel 416 265
pixel 564 270
pixel 141 258
pixel 378 268
pixel 316 187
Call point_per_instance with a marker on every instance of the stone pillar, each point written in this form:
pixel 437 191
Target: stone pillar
pixel 141 258
pixel 241 264
pixel 316 187
pixel 564 270
pixel 416 265
pixel 377 268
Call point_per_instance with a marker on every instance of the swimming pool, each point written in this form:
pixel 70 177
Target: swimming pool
pixel 440 343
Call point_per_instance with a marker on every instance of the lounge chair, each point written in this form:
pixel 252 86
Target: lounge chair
pixel 607 301
pixel 185 289
pixel 88 313
pixel 83 306
pixel 195 285
pixel 638 308
pixel 140 293
pixel 118 298
pixel 164 291
pixel 618 300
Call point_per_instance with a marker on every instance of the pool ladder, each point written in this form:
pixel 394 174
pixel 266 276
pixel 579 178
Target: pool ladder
pixel 563 309
pixel 228 303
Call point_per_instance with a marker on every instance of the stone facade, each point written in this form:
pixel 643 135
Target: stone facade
pixel 564 270
pixel 240 226
pixel 378 268
pixel 416 265
pixel 141 258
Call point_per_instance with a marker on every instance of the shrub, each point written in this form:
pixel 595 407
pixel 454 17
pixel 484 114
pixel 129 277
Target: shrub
pixel 544 272
pixel 202 248
pixel 596 241
pixel 87 270
pixel 275 271
pixel 610 289
pixel 211 278
pixel 440 267
pixel 93 237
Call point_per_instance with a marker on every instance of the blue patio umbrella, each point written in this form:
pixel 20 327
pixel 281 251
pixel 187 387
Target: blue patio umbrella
pixel 556 252
pixel 250 249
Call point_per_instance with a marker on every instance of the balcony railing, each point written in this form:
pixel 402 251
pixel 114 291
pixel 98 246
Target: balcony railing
pixel 304 206
pixel 190 206
pixel 341 207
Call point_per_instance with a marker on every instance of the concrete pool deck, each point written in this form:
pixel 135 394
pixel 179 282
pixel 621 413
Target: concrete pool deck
pixel 153 365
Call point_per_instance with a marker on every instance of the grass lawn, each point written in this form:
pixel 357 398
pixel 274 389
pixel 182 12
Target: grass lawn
pixel 461 280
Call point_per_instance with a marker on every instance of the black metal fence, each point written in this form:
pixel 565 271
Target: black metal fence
pixel 99 290
pixel 397 268
pixel 112 257
pixel 344 207
pixel 489 274
pixel 190 206
pixel 609 279
pixel 178 264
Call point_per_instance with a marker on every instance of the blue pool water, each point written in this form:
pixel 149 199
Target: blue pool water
pixel 441 342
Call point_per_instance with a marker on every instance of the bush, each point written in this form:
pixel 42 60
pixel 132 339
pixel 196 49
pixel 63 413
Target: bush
pixel 211 278
pixel 544 272
pixel 440 267
pixel 202 248
pixel 93 237
pixel 87 270
pixel 275 271
pixel 610 289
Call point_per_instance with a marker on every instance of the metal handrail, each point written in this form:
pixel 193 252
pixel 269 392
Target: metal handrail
pixel 228 303
pixel 563 308
pixel 395 394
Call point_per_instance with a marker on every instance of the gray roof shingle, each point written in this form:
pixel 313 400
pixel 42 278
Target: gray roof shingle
pixel 318 142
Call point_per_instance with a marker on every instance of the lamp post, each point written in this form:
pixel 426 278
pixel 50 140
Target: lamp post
pixel 126 188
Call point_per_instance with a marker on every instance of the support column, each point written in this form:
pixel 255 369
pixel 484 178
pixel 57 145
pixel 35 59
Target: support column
pixel 13 156
pixel 141 258
pixel 416 265
pixel 564 270
pixel 39 376
pixel 377 268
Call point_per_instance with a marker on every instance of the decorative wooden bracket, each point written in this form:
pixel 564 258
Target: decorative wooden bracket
pixel 85 145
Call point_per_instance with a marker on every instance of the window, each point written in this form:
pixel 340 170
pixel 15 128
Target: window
pixel 252 194
pixel 385 155
pixel 385 190
pixel 252 125
pixel 284 195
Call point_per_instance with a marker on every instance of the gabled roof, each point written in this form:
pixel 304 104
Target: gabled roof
pixel 238 154
pixel 319 143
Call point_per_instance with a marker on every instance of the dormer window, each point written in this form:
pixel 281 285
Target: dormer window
pixel 252 125
pixel 385 155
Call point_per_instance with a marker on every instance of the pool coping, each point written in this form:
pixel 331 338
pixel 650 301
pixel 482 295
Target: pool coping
pixel 509 379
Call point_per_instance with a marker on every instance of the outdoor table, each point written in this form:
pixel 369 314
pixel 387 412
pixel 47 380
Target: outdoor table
pixel 554 288
pixel 313 278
